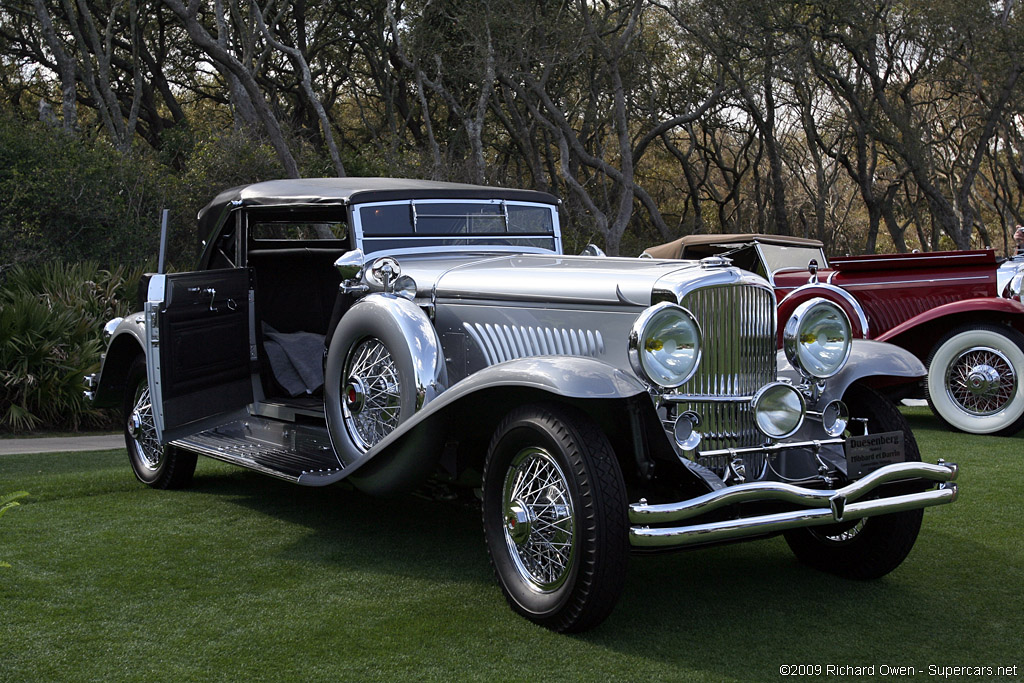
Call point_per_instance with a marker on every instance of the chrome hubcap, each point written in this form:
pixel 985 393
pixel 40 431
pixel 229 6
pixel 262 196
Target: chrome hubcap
pixel 135 425
pixel 355 395
pixel 142 430
pixel 539 520
pixel 981 381
pixel 371 399
pixel 517 523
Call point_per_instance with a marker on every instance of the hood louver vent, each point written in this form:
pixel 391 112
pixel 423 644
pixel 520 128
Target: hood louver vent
pixel 508 342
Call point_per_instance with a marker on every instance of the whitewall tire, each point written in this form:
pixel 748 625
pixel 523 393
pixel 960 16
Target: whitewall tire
pixel 974 379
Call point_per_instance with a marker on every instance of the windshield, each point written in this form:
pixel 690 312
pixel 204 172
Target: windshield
pixel 445 223
pixel 792 258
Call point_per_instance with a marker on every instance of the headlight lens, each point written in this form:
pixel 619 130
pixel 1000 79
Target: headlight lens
pixel 817 338
pixel 664 345
pixel 779 410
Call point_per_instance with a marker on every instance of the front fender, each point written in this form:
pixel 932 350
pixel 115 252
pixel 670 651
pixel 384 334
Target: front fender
pixel 412 448
pixel 837 295
pixel 891 364
pixel 565 376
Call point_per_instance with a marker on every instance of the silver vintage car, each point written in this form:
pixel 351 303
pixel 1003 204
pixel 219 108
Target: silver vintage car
pixel 394 333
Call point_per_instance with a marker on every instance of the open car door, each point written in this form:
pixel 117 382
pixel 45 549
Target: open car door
pixel 200 347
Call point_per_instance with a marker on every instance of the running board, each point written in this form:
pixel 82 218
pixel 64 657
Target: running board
pixel 278 449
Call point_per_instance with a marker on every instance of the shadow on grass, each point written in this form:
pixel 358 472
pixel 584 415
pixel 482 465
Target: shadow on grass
pixel 695 609
pixel 405 535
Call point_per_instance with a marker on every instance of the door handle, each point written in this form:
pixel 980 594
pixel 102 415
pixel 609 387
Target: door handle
pixel 213 294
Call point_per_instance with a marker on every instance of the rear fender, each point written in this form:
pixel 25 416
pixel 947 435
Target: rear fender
pixel 919 333
pixel 127 341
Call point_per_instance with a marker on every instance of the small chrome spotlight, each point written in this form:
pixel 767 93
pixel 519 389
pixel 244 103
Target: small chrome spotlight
pixel 685 430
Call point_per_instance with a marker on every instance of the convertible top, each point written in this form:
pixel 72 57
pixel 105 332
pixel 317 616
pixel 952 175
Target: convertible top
pixel 704 244
pixel 343 191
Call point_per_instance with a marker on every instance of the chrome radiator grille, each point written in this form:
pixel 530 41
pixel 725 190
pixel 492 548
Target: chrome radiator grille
pixel 737 359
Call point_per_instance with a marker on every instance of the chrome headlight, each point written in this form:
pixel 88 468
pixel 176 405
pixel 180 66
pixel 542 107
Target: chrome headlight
pixel 664 345
pixel 817 339
pixel 778 409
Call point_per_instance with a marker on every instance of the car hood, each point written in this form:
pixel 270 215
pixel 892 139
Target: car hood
pixel 553 278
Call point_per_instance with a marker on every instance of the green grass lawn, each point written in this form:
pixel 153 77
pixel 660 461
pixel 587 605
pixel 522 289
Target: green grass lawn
pixel 243 577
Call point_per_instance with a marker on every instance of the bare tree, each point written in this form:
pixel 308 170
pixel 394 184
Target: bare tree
pixel 216 50
pixel 302 67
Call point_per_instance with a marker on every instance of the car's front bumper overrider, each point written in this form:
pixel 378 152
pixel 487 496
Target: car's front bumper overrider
pixel 819 506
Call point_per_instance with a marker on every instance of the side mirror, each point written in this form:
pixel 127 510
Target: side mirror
pixel 593 250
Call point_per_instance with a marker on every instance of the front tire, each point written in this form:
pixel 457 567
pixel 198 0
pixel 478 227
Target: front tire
pixel 974 383
pixel 555 520
pixel 871 547
pixel 162 467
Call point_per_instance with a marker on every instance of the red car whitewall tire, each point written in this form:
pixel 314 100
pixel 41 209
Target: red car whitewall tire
pixel 974 379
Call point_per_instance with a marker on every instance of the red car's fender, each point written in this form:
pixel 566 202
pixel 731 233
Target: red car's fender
pixel 837 295
pixel 921 332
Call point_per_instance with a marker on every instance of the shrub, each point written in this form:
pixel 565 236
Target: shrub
pixel 75 198
pixel 50 322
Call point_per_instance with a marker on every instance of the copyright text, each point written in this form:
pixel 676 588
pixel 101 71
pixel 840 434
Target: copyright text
pixel 883 670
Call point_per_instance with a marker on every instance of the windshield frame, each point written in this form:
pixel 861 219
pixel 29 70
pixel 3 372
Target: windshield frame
pixel 500 241
pixel 816 253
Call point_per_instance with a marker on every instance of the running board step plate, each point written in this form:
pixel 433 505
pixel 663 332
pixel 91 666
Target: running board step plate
pixel 282 450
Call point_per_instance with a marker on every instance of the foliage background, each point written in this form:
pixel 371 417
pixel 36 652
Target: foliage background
pixel 870 124
pixel 873 125
pixel 50 321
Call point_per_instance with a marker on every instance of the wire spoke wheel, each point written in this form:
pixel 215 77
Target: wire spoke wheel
pixel 555 519
pixel 154 464
pixel 142 430
pixel 539 519
pixel 871 547
pixel 981 380
pixel 845 533
pixel 973 383
pixel 372 396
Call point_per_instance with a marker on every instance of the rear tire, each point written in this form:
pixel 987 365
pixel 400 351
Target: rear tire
pixel 871 547
pixel 162 467
pixel 555 520
pixel 974 382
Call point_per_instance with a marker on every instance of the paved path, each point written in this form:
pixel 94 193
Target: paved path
pixel 62 444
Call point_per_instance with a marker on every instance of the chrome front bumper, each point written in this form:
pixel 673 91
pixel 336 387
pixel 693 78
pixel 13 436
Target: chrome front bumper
pixel 819 506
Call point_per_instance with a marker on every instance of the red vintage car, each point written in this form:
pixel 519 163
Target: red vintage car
pixel 944 307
